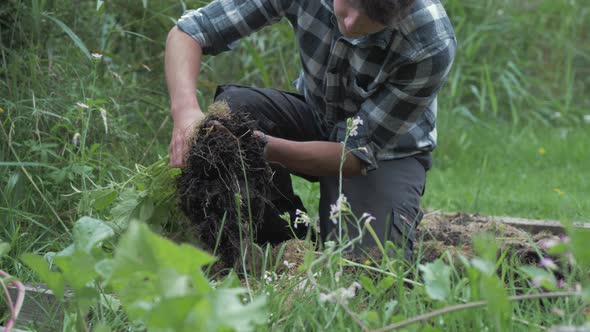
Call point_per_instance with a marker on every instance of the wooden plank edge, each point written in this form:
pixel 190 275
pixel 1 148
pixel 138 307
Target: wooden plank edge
pixel 525 224
pixel 537 226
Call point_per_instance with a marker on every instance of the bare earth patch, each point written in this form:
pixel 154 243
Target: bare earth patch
pixel 441 232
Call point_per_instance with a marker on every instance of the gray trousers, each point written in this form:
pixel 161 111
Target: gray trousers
pixel 391 193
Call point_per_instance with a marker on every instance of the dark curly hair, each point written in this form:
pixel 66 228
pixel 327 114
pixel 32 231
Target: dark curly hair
pixel 386 12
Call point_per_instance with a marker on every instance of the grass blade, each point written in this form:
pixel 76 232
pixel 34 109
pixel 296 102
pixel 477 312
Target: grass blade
pixel 72 35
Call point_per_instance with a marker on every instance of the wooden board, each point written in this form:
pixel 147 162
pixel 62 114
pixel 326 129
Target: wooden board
pixel 525 224
pixel 41 309
pixel 537 226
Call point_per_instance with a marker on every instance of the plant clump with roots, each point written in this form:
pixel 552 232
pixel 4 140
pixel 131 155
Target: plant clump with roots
pixel 224 187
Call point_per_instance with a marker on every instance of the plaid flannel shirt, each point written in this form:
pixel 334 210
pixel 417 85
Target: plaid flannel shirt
pixel 390 79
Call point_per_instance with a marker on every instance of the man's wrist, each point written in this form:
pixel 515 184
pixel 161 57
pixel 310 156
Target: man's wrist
pixel 191 114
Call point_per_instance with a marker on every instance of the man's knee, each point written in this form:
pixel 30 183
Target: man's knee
pixel 237 97
pixel 246 100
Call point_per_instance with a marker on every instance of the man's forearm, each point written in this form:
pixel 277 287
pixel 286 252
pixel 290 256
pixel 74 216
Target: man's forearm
pixel 314 158
pixel 183 63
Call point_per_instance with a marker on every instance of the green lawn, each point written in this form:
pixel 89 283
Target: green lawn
pixel 492 168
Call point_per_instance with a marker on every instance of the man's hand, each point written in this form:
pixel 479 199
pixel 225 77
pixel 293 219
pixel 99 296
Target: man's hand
pixel 184 126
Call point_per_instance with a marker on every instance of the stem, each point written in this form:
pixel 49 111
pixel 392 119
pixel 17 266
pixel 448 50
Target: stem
pixel 469 305
pixel 376 238
pixel 342 158
pixel 20 297
pixel 367 267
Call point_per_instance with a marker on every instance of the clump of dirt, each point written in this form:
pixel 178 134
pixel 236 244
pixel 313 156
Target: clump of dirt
pixel 454 233
pixel 225 183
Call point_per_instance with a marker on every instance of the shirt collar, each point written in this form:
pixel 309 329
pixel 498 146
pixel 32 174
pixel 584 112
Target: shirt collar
pixel 380 39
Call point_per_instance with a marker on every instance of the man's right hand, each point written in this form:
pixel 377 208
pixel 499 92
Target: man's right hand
pixel 184 126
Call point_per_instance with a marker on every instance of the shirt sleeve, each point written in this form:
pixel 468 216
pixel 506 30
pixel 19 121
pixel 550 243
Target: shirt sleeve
pixel 392 111
pixel 220 25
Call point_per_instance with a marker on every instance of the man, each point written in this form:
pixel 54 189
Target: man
pixel 380 61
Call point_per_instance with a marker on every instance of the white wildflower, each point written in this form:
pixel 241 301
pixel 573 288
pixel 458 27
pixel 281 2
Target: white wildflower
pixel 302 218
pixel 288 265
pixel 337 209
pixel 337 276
pixel 82 105
pixel 367 217
pixel 363 149
pixel 341 295
pixel 270 277
pixel 326 298
pixel 97 55
pixel 76 139
pixel 103 114
pixel 353 125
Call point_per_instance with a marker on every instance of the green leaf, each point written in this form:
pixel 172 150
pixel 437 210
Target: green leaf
pixel 103 198
pixel 126 208
pixel 147 268
pixel 372 318
pixel 172 314
pixel 499 307
pixel 104 268
pixel 368 285
pixel 54 280
pixel 77 268
pixel 231 280
pixel 385 284
pixel 484 266
pixel 4 248
pixel 89 232
pixel 485 246
pixel 388 310
pixel 101 327
pixel 146 209
pixel 437 279
pixel 71 34
pixel 231 312
pixel 99 5
pixel 579 239
pixel 541 277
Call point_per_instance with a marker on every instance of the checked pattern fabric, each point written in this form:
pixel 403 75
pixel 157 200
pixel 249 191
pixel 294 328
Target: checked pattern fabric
pixel 390 79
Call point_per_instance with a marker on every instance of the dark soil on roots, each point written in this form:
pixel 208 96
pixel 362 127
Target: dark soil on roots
pixel 224 186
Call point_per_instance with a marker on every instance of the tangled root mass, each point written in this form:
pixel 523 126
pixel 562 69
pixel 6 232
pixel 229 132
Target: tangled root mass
pixel 224 187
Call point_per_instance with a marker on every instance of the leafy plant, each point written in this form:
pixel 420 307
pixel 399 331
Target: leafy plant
pixel 159 284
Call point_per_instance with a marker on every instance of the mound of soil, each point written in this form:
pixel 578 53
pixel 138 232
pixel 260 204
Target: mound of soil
pixel 439 233
pixel 454 233
pixel 225 170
